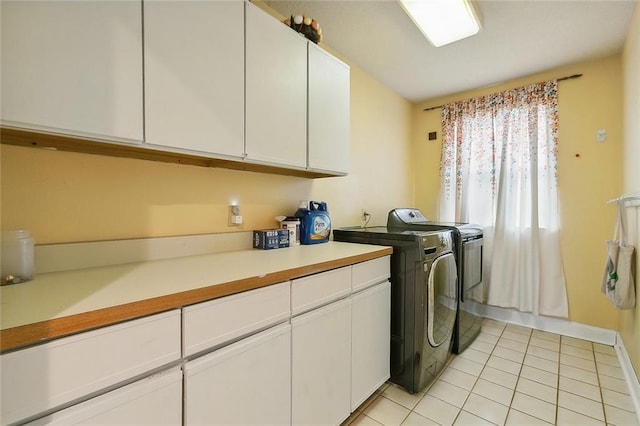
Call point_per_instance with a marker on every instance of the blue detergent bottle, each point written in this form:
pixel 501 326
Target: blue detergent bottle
pixel 315 224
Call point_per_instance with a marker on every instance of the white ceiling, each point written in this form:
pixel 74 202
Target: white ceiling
pixel 519 38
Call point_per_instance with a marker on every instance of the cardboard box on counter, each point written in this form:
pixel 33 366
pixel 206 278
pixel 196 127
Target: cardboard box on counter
pixel 268 239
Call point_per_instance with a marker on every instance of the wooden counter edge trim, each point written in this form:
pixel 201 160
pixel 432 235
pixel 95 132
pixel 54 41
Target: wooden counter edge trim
pixel 27 335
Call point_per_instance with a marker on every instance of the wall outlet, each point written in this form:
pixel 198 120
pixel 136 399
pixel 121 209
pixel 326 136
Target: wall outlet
pixel 235 218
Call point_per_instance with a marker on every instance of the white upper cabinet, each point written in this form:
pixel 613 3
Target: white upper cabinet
pixel 328 112
pixel 73 67
pixel 218 79
pixel 276 91
pixel 194 75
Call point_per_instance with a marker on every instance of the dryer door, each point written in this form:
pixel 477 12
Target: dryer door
pixel 442 298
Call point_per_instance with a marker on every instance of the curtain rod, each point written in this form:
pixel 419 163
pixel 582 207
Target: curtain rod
pixel 569 77
pixel 624 198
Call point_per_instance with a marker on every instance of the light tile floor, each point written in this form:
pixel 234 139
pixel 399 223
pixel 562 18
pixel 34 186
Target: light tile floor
pixel 513 375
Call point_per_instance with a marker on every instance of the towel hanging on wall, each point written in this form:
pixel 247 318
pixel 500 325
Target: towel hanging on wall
pixel 617 282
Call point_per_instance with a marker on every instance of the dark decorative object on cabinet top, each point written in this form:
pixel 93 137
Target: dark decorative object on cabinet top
pixel 308 27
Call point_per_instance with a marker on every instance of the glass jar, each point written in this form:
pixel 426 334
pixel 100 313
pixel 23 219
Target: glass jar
pixel 17 256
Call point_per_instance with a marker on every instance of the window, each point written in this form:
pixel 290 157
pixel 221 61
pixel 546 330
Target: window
pixel 498 169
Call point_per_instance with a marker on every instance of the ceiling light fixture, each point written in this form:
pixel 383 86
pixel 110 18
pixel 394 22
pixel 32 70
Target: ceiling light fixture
pixel 443 21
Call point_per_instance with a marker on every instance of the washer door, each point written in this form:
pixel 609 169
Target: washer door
pixel 443 298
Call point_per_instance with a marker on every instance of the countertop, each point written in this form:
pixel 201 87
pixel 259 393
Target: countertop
pixel 56 304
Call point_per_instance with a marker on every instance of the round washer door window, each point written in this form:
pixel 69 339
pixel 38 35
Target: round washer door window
pixel 443 299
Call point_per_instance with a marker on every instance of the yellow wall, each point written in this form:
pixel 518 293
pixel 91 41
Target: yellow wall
pixel 630 322
pixel 586 104
pixel 64 197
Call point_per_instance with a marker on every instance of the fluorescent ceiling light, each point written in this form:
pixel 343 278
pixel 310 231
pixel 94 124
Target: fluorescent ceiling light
pixel 443 21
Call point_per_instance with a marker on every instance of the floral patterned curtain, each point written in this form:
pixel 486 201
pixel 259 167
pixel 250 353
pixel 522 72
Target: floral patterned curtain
pixel 498 169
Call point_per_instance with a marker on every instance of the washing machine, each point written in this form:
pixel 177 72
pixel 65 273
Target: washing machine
pixel 468 249
pixel 424 299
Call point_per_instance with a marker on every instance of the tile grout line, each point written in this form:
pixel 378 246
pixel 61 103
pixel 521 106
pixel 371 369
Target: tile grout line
pixel 484 365
pixel 602 404
pixel 515 389
pixel 520 372
pixel 604 412
pixel 558 382
pixel 477 376
pixel 397 403
pixel 448 365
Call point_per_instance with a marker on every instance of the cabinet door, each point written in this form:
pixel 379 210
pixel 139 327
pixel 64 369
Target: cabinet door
pixel 155 400
pixel 209 324
pixel 276 97
pixel 328 112
pixel 320 289
pixel 246 383
pixel 370 273
pixel 194 75
pixel 45 376
pixel 321 364
pixel 371 337
pixel 73 67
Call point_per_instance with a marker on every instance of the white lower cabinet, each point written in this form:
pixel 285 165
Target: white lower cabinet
pixel 40 378
pixel 245 383
pixel 370 341
pixel 155 400
pixel 208 325
pixel 261 361
pixel 320 289
pixel 321 364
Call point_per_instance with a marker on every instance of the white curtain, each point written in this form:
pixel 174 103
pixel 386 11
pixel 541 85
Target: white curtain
pixel 498 170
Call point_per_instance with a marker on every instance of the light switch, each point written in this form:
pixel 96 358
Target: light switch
pixel 601 135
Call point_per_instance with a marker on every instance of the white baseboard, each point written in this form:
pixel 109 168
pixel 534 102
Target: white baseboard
pixel 629 374
pixel 550 324
pixel 571 329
